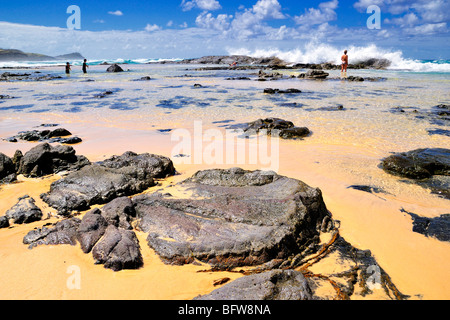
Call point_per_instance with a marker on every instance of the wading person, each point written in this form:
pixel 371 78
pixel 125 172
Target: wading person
pixel 344 60
pixel 68 69
pixel 85 66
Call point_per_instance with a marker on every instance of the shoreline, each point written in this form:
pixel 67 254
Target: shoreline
pixel 334 157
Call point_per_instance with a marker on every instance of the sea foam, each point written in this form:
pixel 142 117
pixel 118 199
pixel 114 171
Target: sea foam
pixel 321 53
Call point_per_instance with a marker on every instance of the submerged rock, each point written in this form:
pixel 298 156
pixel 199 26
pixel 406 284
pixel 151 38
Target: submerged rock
pixel 438 227
pixel 273 126
pixel 104 181
pixel 60 135
pixel 316 74
pixel 114 68
pixel 419 164
pixel 236 218
pixel 274 91
pixel 45 159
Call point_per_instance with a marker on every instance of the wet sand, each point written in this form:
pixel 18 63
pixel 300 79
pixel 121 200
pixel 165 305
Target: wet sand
pixel 336 156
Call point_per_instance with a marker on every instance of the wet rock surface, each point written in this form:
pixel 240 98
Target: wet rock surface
pixel 438 227
pixel 278 91
pixel 419 164
pixel 36 76
pixel 114 68
pixel 275 126
pixel 104 181
pixel 429 168
pixel 60 135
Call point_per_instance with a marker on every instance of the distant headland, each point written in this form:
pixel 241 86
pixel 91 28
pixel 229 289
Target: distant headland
pixel 17 55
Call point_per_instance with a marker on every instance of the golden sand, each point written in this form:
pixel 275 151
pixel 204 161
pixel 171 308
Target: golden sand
pixel 418 265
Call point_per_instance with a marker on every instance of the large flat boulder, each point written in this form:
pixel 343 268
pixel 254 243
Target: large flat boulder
pixel 104 181
pixel 233 218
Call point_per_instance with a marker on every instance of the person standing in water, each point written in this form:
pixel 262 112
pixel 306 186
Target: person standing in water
pixel 85 66
pixel 68 68
pixel 344 60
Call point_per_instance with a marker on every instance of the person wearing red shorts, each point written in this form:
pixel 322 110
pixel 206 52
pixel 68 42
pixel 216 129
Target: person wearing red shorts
pixel 344 60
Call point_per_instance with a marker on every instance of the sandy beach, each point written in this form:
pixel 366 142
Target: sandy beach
pixel 344 149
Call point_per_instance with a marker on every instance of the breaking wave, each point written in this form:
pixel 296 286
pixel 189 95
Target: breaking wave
pixel 321 53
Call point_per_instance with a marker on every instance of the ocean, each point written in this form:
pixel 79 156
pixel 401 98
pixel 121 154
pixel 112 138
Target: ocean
pixel 354 125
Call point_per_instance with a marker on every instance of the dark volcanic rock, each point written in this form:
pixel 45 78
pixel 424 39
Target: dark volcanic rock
pixel 419 164
pixel 274 91
pixel 45 159
pixel 63 232
pixel 284 129
pixel 7 169
pixel 316 74
pixel 25 211
pixel 4 222
pixel 114 68
pixel 101 182
pixel 60 135
pixel 236 218
pixel 91 229
pixel 118 249
pixel 114 247
pixel 119 212
pixel 270 285
pixel 356 274
pixel 438 227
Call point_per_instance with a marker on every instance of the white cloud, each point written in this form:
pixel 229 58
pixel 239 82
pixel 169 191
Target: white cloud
pixel 169 23
pixel 433 11
pixel 268 9
pixel 116 13
pixel 427 29
pixel 325 13
pixel 362 5
pixel 208 5
pixel 206 20
pixel 409 19
pixel 152 27
pixel 246 23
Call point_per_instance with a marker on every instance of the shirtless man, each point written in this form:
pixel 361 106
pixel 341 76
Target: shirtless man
pixel 344 59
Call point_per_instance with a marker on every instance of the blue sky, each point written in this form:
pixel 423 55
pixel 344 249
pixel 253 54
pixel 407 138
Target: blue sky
pixel 192 28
